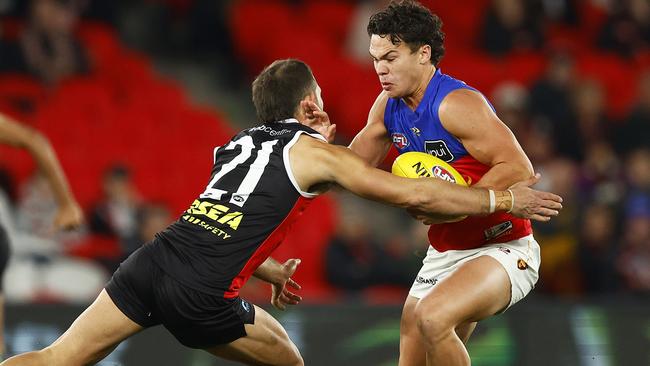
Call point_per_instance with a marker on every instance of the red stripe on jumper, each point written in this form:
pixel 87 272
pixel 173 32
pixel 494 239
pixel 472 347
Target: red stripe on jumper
pixel 266 248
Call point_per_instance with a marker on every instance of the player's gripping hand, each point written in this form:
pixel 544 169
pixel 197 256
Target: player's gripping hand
pixel 318 120
pixel 281 294
pixel 69 217
pixel 535 205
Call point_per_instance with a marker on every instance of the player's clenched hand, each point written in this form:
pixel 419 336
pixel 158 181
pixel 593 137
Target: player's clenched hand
pixel 281 294
pixel 532 204
pixel 318 120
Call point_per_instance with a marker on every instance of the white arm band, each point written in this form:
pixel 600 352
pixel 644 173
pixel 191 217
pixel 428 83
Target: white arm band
pixel 493 201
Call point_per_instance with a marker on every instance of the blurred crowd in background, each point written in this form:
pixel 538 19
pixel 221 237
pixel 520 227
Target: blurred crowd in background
pixel 114 86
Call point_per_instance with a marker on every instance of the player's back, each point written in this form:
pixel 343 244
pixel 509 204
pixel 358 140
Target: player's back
pixel 241 217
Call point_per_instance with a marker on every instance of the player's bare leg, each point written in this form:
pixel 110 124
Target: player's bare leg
pixel 412 351
pixel 95 333
pixel 465 330
pixel 476 290
pixel 266 343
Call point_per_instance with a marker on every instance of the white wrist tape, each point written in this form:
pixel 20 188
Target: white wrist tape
pixel 512 201
pixel 493 201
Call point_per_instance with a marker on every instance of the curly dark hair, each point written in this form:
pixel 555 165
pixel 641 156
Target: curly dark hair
pixel 410 22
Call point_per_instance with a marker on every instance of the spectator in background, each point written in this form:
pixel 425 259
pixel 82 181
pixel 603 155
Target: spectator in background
pixel 633 264
pixel 47 48
pixel 550 103
pixel 560 271
pixel 152 218
pixel 511 25
pixel 350 256
pixel 635 131
pixel 600 175
pixel 588 107
pixel 597 249
pixel 355 260
pixel 561 11
pixel 116 215
pixel 510 100
pixel 627 29
pixel 638 179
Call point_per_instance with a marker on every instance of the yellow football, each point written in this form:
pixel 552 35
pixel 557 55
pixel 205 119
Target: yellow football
pixel 416 164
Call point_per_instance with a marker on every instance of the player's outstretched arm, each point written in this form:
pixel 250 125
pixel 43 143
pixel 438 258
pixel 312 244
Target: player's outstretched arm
pixel 315 162
pixel 15 134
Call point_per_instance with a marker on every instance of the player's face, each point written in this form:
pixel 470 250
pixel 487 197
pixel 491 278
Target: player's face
pixel 397 67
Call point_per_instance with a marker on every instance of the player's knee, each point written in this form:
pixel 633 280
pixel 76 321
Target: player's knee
pixel 433 321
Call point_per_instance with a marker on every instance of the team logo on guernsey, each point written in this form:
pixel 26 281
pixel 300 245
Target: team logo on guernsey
pixel 442 173
pixel 399 140
pixel 246 306
pixel 439 149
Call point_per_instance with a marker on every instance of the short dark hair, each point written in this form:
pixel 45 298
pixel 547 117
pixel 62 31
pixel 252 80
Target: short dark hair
pixel 410 22
pixel 280 87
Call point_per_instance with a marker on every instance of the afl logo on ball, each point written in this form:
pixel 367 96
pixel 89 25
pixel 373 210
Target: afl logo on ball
pixel 399 140
pixel 443 174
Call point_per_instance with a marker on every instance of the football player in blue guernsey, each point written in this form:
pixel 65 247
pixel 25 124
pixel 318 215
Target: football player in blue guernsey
pixel 476 267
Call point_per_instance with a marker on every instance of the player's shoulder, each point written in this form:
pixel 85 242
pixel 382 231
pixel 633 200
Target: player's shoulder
pixel 461 99
pixel 311 141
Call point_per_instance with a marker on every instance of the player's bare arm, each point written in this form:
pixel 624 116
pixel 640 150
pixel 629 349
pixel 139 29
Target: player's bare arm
pixel 372 142
pixel 279 276
pixel 15 134
pixel 467 116
pixel 314 162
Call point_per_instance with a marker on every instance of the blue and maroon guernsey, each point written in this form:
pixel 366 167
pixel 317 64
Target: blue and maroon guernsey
pixel 421 130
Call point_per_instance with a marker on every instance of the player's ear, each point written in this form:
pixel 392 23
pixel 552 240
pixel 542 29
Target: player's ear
pixel 424 54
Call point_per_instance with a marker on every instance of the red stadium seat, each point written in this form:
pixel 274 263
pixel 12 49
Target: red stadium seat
pixel 21 94
pixel 101 42
pixel 250 23
pixel 337 13
pixel 475 68
pixel 524 67
pixel 460 31
pixel 96 247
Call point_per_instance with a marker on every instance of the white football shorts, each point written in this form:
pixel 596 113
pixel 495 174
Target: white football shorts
pixel 520 258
